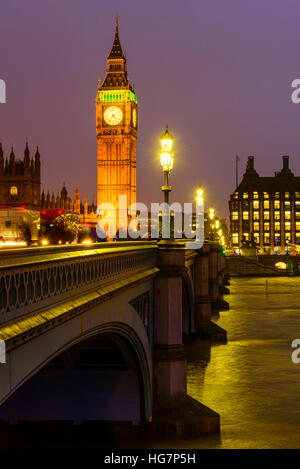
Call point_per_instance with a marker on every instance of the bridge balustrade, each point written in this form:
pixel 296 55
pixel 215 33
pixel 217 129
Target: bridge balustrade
pixel 31 279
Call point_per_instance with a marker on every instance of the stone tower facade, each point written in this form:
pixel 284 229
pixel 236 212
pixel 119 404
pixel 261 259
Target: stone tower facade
pixel 116 130
pixel 20 180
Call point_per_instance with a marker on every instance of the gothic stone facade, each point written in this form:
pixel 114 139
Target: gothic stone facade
pixel 116 130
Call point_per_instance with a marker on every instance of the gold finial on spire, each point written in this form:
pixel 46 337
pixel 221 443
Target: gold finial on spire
pixel 117 21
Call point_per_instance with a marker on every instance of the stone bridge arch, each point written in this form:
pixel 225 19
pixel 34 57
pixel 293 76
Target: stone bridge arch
pixel 115 319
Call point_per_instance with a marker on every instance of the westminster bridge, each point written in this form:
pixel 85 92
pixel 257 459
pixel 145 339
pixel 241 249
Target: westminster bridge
pixel 96 332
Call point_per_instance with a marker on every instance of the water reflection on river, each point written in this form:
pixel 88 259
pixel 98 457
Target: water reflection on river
pixel 251 381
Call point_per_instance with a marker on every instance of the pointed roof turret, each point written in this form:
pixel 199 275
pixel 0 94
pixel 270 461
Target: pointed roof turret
pixel 116 50
pixel 37 154
pixel 64 192
pixel 26 155
pixel 12 155
pixel 116 73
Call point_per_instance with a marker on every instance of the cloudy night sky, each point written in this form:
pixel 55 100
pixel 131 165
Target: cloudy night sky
pixel 219 73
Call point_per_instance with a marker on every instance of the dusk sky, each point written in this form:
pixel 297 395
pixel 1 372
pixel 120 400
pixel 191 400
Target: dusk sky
pixel 219 73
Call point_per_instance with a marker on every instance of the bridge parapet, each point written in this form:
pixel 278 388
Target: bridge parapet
pixel 34 278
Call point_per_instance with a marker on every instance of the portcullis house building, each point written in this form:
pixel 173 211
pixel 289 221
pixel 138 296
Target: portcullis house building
pixel 265 211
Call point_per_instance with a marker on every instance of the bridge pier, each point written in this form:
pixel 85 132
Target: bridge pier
pixel 175 414
pixel 205 328
pixel 221 271
pixel 215 278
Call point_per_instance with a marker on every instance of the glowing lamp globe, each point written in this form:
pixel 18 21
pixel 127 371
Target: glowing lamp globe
pixel 199 196
pixel 166 154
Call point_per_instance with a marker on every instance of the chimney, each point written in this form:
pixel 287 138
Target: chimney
pixel 250 170
pixel 250 164
pixel 285 160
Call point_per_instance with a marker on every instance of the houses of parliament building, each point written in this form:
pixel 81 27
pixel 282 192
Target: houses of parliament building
pixel 116 132
pixel 265 211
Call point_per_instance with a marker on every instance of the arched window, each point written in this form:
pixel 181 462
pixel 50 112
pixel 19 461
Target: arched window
pixel 13 191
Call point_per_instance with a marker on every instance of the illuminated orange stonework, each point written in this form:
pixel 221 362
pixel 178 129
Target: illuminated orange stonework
pixel 116 130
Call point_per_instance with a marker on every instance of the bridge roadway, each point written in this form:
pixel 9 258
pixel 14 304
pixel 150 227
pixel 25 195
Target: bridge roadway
pixel 76 317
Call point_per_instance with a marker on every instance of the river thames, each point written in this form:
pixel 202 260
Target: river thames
pixel 251 381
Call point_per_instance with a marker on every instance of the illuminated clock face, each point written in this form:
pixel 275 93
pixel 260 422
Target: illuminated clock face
pixel 134 117
pixel 113 115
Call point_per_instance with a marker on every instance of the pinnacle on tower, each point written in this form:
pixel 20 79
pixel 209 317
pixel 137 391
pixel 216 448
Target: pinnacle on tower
pixel 116 50
pixel 37 154
pixel 26 155
pixel 12 155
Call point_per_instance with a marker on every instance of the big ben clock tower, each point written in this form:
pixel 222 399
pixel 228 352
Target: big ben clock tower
pixel 116 130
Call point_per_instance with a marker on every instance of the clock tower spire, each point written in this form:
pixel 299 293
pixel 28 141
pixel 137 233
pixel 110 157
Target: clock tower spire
pixel 116 131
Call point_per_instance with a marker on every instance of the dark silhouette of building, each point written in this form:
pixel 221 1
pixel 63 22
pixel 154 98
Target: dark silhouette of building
pixel 265 211
pixel 20 180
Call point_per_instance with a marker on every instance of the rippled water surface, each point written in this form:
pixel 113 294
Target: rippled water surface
pixel 251 381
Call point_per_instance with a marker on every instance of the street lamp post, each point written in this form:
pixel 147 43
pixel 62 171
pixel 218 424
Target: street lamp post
pixel 211 227
pixel 166 159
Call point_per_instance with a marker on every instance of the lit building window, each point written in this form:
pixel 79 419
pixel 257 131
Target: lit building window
pixel 287 204
pixel 267 226
pixel 255 215
pixel 287 195
pixel 277 239
pixel 246 236
pixel 297 225
pixel 236 195
pixel 277 215
pixel 245 195
pixel 266 238
pixel 277 226
pixel 288 237
pixel 266 204
pixel 266 215
pixel 256 226
pixel 287 225
pixel 245 215
pixel 256 204
pixel 277 195
pixel 13 190
pixel 235 216
pixel 297 195
pixel 276 204
pixel 287 215
pixel 266 195
pixel 255 195
pixel 256 237
pixel 297 238
pixel 235 238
